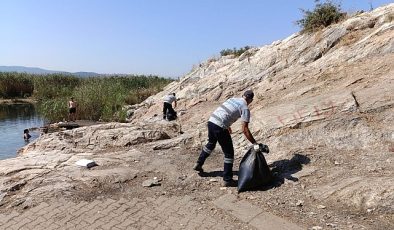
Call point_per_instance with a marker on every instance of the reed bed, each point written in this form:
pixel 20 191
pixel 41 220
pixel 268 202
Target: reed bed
pixel 98 98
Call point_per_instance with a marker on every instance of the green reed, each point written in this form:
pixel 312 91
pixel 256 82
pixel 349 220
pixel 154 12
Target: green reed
pixel 14 85
pixel 98 98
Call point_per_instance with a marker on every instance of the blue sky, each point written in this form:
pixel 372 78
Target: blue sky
pixel 160 37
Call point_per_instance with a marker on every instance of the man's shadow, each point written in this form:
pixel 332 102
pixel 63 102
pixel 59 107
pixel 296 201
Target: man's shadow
pixel 281 170
pixel 214 174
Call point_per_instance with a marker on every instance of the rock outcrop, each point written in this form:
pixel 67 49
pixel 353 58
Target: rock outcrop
pixel 326 97
pixel 330 92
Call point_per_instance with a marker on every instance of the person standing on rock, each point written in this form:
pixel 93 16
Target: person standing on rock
pixel 167 105
pixel 219 130
pixel 72 106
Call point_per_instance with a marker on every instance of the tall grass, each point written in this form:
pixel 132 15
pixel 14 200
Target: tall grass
pixel 15 85
pixel 54 109
pixel 98 98
pixel 54 85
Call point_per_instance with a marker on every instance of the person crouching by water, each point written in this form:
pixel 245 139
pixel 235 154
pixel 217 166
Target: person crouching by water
pixel 72 106
pixel 26 135
pixel 167 105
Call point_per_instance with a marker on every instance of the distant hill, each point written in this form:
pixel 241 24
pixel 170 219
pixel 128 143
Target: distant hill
pixel 35 70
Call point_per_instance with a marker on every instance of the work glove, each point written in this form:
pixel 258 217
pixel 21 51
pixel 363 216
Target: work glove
pixel 261 147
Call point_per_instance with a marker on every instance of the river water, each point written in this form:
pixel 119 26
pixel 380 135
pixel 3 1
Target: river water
pixel 14 118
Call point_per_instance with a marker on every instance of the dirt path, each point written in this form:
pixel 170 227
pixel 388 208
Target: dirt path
pixel 288 200
pixel 186 200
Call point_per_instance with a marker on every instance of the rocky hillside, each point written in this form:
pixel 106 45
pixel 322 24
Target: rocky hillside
pixel 327 95
pixel 324 105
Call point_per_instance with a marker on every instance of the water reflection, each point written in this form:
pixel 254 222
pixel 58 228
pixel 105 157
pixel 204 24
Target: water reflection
pixel 14 118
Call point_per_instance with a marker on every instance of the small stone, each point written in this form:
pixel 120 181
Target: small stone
pixel 337 163
pixel 300 203
pixel 331 225
pixel 316 228
pixel 150 183
pixel 2 195
pixel 369 210
pixel 213 180
pixel 321 206
pixel 223 188
pixel 86 163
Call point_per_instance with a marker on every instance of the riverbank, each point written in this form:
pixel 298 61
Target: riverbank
pixel 18 101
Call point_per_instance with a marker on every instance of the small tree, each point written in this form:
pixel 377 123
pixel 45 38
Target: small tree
pixel 322 16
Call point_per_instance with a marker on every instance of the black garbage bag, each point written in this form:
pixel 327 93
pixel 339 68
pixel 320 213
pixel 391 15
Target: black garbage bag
pixel 253 171
pixel 171 116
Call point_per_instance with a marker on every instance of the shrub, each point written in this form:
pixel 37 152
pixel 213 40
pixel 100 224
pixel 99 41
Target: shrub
pixel 234 51
pixel 322 16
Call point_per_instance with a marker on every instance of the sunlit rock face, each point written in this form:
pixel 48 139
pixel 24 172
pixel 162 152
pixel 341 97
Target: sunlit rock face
pixel 327 96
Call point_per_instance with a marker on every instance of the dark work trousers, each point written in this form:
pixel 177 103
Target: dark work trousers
pixel 218 134
pixel 167 107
